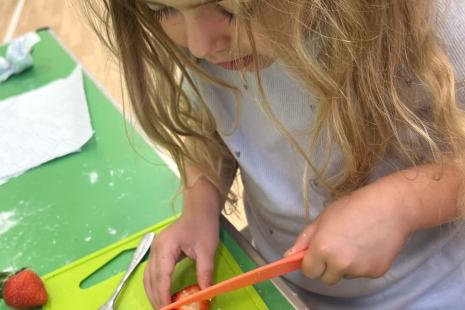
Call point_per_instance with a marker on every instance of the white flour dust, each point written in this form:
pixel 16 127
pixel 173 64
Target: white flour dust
pixel 93 177
pixel 8 220
pixel 117 172
pixel 121 196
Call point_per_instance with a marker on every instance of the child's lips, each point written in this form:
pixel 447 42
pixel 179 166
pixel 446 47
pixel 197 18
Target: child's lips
pixel 236 64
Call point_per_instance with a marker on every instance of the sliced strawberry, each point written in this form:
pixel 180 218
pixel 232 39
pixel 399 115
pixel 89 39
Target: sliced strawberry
pixel 199 305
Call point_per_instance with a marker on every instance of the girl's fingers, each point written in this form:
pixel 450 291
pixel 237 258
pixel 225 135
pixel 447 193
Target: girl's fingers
pixel 302 241
pixel 350 277
pixel 330 277
pixel 161 276
pixel 149 291
pixel 313 266
pixel 204 268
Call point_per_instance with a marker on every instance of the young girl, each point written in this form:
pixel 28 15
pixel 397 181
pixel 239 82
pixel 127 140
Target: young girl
pixel 344 119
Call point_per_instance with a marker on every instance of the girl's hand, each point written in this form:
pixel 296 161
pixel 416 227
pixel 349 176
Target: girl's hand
pixel 193 235
pixel 356 236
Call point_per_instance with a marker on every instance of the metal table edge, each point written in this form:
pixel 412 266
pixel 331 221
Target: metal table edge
pixel 279 283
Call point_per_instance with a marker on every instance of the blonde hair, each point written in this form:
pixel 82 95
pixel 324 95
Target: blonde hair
pixel 364 61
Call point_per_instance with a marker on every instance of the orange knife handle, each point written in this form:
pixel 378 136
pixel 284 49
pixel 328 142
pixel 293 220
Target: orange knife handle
pixel 280 267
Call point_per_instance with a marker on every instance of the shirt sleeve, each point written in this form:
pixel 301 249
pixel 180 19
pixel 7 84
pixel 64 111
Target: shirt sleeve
pixel 451 27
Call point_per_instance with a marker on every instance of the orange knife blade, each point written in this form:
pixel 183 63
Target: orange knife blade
pixel 266 272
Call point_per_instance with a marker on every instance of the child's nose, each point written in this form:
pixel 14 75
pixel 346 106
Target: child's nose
pixel 207 37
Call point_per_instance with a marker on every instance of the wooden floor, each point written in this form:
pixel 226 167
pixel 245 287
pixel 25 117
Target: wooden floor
pixel 64 18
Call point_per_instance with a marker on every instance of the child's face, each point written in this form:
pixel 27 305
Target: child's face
pixel 207 29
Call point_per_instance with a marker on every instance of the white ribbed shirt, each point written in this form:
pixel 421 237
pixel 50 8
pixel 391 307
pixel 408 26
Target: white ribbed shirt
pixel 429 271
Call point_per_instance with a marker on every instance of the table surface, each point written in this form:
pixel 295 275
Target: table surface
pixel 75 205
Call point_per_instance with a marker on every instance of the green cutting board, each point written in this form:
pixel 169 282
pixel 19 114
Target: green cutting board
pixel 67 290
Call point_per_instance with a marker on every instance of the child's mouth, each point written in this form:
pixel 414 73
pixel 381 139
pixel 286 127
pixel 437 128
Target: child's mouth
pixel 236 64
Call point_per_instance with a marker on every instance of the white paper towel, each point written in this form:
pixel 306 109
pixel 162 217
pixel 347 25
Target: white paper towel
pixel 43 124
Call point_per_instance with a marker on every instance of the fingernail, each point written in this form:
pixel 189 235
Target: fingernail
pixel 289 252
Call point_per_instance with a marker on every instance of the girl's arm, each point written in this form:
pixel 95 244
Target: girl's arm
pixel 195 234
pixel 427 195
pixel 201 193
pixel 359 235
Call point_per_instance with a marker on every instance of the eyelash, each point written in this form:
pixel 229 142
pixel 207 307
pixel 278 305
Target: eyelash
pixel 230 16
pixel 164 13
pixel 169 11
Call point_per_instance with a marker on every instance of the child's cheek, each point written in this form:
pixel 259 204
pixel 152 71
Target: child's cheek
pixel 175 29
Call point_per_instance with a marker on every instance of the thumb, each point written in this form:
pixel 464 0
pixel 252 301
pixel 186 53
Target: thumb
pixel 204 269
pixel 302 241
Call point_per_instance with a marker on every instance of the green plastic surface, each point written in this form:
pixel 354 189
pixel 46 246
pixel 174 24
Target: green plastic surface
pixel 57 213
pixel 64 289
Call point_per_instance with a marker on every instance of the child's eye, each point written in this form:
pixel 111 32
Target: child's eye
pixel 167 11
pixel 164 13
pixel 226 13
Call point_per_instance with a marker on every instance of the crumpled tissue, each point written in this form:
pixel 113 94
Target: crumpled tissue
pixel 18 55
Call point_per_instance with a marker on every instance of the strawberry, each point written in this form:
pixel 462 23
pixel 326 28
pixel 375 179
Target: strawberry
pixel 199 305
pixel 22 290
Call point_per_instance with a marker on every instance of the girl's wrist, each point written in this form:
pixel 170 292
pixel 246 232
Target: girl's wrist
pixel 399 203
pixel 202 199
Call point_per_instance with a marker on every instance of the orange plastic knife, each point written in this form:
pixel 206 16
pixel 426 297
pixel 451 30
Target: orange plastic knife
pixel 271 270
